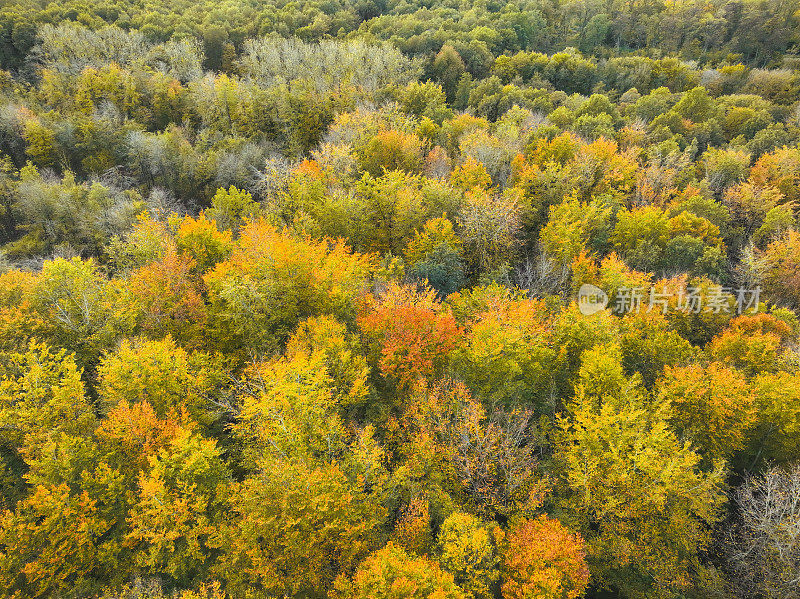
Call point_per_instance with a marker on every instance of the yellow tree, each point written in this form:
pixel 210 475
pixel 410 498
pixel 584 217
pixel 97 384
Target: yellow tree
pixel 468 552
pixel 390 573
pixel 711 406
pixel 50 544
pixel 163 374
pixel 635 492
pixel 507 356
pixel 272 281
pixel 181 498
pixel 41 396
pixel 296 525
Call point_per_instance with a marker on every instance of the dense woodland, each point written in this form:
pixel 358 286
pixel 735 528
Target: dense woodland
pixel 288 299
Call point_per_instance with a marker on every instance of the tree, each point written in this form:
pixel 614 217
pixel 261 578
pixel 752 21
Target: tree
pixel 42 396
pixel 181 498
pixel 435 256
pixel 412 335
pixel 130 435
pixel 782 278
pixel 66 213
pixel 489 226
pixel 390 573
pixel 712 407
pixel 436 232
pixel 231 208
pixel 332 514
pixel 765 547
pixel 640 235
pixel 296 413
pixel 273 280
pixel 342 356
pixel 506 355
pixel 163 374
pixel 392 151
pixel 753 350
pixel 166 298
pixel 544 559
pixel 454 447
pixel 468 553
pixel 636 494
pixel 201 240
pixel 448 68
pixel 442 269
pixel 649 345
pixel 412 531
pixel 425 101
pixel 779 169
pixel 51 544
pixel 42 145
pixel 84 309
pixel 777 399
pixel 725 167
pixel 574 227
pixel 696 105
pixel 387 210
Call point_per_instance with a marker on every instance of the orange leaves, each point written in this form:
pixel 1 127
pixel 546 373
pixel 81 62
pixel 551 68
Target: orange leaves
pixel 130 434
pixel 166 299
pixel 414 336
pixel 761 324
pixel 48 545
pixel 309 168
pixel 610 170
pixel 18 322
pixel 169 526
pixel 545 560
pixel 781 169
pixel 413 529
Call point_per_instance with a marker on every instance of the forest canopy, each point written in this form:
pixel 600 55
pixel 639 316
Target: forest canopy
pixel 370 299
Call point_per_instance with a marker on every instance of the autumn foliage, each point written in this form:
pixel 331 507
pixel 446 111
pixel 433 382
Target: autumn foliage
pixel 543 559
pixel 397 300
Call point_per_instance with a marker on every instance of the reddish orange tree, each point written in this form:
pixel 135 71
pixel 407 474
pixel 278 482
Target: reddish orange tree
pixel 545 560
pixel 413 335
